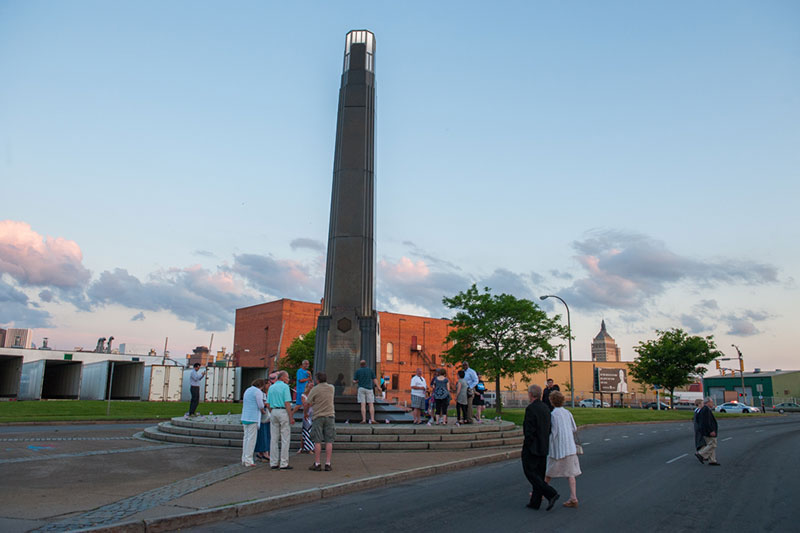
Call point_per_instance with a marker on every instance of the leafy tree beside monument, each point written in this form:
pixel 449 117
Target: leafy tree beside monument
pixel 673 359
pixel 500 335
pixel 301 348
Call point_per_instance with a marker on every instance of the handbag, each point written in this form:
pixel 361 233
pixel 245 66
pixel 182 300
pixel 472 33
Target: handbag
pixel 578 445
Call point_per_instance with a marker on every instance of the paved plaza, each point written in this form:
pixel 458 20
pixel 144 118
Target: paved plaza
pixel 71 477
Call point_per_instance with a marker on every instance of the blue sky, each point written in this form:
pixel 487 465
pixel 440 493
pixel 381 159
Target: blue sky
pixel 165 163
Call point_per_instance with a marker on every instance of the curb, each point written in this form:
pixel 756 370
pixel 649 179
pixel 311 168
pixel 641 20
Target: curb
pixel 232 511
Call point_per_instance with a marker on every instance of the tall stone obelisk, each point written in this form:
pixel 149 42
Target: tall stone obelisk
pixel 347 325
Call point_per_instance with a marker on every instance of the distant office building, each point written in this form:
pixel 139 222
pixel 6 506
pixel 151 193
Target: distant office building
pixel 2 337
pixel 604 347
pixel 18 338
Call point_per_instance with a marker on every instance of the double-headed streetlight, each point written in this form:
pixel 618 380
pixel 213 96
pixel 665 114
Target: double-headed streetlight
pixel 569 340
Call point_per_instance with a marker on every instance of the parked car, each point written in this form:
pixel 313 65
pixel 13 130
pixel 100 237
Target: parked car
pixel 490 399
pixel 736 407
pixel 787 407
pixel 654 406
pixel 589 402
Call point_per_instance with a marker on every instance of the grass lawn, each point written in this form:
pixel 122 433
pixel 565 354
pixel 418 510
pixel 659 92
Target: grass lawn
pixel 55 410
pixel 584 416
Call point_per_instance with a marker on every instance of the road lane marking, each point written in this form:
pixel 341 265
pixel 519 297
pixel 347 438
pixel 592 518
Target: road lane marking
pixel 676 458
pixel 624 436
pixel 606 439
pixel 641 433
pixel 729 438
pixel 759 430
pixel 585 443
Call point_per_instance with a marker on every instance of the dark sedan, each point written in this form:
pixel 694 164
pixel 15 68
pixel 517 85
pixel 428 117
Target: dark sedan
pixel 654 406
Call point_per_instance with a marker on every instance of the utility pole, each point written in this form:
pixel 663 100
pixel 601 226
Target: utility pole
pixel 741 372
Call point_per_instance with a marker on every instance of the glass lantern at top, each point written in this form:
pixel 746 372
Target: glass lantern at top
pixel 360 37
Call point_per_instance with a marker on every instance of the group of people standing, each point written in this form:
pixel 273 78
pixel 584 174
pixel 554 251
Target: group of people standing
pixel 550 448
pixel 268 412
pixel 434 399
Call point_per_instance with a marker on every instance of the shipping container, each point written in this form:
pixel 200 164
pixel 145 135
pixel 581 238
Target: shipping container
pixel 125 378
pixel 10 375
pixel 165 383
pixel 220 384
pixel 50 379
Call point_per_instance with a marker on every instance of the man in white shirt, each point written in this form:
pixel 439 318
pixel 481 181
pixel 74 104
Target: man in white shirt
pixel 195 377
pixel 418 390
pixel 471 378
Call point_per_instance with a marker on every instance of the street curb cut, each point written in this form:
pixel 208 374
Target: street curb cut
pixel 272 503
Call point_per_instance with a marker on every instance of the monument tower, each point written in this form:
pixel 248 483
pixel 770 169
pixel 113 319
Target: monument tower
pixel 347 325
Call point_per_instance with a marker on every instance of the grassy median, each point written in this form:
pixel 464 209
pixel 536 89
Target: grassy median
pixel 584 416
pixel 60 410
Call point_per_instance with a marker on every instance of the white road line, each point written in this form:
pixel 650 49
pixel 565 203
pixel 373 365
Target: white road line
pixel 759 430
pixel 606 439
pixel 729 438
pixel 676 458
pixel 624 436
pixel 641 433
pixel 585 443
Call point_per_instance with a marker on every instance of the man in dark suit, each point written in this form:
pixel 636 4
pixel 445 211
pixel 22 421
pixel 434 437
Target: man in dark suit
pixel 707 425
pixel 546 393
pixel 536 427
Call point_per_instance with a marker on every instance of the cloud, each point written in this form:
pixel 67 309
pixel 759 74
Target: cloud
pixel 32 259
pixel 433 261
pixel 280 278
pixel 204 253
pixel 308 244
pixel 407 284
pixel 505 281
pixel 743 324
pixel 694 324
pixel 625 270
pixel 137 317
pixel 208 299
pixel 46 295
pixel 16 310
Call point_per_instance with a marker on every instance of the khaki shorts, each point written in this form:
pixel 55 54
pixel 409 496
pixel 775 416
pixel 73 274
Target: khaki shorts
pixel 323 429
pixel 365 395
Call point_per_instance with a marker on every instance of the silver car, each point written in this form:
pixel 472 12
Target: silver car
pixel 787 407
pixel 736 407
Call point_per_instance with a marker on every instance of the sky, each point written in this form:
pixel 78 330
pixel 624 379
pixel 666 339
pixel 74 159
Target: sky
pixel 164 163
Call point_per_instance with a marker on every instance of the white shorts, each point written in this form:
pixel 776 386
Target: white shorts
pixel 365 395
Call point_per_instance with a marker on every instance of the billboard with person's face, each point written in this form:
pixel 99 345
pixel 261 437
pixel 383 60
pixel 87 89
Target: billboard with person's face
pixel 612 380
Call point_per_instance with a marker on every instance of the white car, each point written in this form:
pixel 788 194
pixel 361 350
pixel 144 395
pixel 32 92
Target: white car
pixel 736 407
pixel 589 402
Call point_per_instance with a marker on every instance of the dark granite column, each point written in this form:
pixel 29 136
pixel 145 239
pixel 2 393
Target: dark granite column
pixel 347 326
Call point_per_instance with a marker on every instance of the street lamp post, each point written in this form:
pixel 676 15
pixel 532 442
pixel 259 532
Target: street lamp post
pixel 741 373
pixel 569 340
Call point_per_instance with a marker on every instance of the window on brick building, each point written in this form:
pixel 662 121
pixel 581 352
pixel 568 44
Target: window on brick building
pixel 395 381
pixel 389 351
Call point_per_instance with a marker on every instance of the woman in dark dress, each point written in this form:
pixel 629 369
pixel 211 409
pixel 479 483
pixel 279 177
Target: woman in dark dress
pixel 441 396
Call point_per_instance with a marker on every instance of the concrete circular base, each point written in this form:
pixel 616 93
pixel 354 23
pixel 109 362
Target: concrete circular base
pixel 226 430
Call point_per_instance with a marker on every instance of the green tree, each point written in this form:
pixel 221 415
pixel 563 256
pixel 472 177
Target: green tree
pixel 673 359
pixel 301 348
pixel 499 335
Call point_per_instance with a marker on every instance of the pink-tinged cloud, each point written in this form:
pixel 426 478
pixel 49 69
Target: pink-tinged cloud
pixel 32 259
pixel 405 270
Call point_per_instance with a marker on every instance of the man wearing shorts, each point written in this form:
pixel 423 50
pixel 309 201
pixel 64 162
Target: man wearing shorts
pixel 366 379
pixel 323 421
pixel 418 391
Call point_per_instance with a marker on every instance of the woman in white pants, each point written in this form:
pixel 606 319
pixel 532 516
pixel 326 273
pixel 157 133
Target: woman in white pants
pixel 252 409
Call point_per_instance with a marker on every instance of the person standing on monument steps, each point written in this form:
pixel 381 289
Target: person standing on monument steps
pixel 303 377
pixel 323 420
pixel 367 381
pixel 535 448
pixel 195 377
pixel 418 392
pixel 472 381
pixel 281 413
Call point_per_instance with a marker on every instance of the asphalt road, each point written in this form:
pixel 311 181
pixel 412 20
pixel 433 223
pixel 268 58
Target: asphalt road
pixel 641 477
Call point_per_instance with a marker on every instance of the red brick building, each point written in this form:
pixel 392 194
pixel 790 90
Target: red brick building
pixel 407 342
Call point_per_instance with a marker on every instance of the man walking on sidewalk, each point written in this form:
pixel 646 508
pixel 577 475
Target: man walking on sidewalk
pixel 707 425
pixel 536 427
pixel 323 421
pixel 281 413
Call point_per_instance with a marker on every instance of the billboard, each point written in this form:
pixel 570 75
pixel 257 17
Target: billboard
pixel 612 380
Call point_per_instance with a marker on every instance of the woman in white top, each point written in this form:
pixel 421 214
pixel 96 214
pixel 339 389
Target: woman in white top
pixel 562 461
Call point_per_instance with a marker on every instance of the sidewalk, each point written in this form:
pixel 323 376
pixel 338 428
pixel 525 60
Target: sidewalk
pixel 96 479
